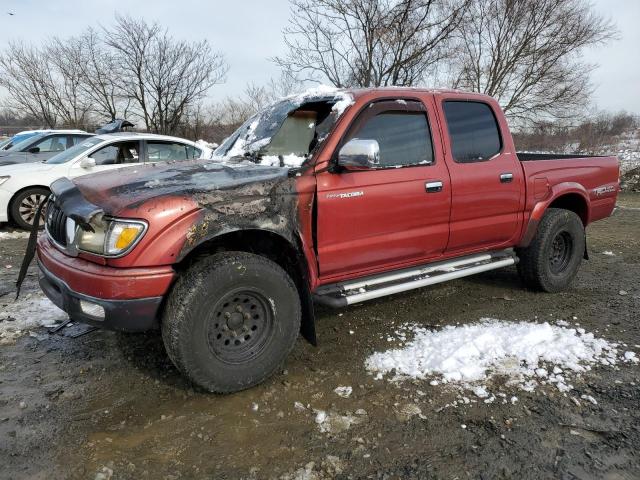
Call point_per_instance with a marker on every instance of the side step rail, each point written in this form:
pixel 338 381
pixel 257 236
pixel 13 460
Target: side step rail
pixel 369 288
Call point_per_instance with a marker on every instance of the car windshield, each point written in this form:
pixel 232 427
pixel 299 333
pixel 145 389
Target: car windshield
pixel 4 142
pixel 287 132
pixel 24 143
pixel 73 152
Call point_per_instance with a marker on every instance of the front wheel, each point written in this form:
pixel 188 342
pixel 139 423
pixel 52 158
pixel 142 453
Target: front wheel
pixel 553 258
pixel 231 320
pixel 24 206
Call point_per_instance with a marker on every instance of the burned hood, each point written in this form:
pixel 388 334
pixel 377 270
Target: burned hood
pixel 129 188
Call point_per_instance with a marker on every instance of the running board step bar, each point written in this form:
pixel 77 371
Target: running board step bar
pixel 369 288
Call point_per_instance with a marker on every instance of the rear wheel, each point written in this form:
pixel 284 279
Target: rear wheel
pixel 553 258
pixel 24 207
pixel 231 320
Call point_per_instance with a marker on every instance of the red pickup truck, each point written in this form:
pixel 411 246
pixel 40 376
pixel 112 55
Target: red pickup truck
pixel 330 197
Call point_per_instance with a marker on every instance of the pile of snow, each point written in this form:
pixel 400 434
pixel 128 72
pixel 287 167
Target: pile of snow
pixel 342 98
pixel 206 147
pixel 527 353
pixel 29 311
pixel 291 160
pixel 13 235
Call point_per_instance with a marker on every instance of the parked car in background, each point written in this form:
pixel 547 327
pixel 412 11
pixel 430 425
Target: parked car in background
pixel 41 146
pixel 18 137
pixel 24 186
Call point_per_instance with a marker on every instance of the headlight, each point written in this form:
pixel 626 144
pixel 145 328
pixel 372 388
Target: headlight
pixel 122 235
pixel 4 179
pixel 111 237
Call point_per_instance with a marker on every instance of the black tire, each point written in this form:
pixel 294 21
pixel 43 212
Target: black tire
pixel 24 205
pixel 553 258
pixel 231 320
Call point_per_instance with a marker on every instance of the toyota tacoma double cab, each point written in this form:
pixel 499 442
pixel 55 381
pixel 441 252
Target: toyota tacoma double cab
pixel 330 197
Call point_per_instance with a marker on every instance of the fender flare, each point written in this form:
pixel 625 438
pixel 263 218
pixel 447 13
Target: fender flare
pixel 540 208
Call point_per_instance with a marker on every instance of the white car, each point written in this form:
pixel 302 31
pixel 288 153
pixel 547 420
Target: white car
pixel 24 186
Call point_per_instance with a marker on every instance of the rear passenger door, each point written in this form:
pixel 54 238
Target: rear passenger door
pixel 385 217
pixel 486 178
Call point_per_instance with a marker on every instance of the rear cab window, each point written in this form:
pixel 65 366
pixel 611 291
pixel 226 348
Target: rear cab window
pixel 473 131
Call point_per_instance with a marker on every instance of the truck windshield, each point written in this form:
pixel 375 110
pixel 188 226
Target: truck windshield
pixel 287 132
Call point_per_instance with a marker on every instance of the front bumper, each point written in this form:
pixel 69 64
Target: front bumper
pixel 131 297
pixel 136 315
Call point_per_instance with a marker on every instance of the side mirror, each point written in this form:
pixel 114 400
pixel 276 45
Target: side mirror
pixel 359 154
pixel 87 162
pixel 34 150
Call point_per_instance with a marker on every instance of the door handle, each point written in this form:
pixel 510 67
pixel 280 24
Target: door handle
pixel 506 177
pixel 433 187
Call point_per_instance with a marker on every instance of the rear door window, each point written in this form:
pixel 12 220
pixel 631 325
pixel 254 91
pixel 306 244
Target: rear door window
pixel 76 139
pixel 167 151
pixel 473 130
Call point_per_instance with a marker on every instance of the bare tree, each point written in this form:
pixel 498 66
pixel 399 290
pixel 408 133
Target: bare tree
pixel 164 77
pixel 67 93
pixel 369 42
pixel 25 76
pixel 43 83
pixel 234 110
pixel 99 74
pixel 526 53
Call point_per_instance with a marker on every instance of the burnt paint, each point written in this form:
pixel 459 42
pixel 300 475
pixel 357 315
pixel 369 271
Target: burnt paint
pixel 224 197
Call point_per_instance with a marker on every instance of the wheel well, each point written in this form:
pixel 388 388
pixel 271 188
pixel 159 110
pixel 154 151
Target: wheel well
pixel 573 202
pixel 19 192
pixel 260 242
pixel 274 247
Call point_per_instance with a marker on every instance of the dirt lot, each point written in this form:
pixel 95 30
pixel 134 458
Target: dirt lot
pixel 108 405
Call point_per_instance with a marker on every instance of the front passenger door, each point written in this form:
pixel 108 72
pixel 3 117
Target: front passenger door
pixel 109 157
pixel 47 148
pixel 382 218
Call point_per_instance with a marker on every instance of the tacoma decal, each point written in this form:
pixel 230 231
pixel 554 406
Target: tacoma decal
pixel 359 193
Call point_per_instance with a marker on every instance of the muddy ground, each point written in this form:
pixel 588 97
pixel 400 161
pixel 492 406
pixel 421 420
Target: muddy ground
pixel 109 405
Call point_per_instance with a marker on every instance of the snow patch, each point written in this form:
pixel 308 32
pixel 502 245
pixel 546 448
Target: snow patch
pixel 206 148
pixel 13 235
pixel 468 355
pixel 29 311
pixel 343 99
pixel 290 160
pixel 334 423
pixel 344 392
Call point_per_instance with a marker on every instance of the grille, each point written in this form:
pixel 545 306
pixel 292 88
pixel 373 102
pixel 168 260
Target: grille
pixel 56 224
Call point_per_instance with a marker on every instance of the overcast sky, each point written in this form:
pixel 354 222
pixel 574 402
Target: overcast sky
pixel 249 32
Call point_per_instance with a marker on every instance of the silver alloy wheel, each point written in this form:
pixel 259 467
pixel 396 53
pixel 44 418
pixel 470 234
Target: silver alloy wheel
pixel 29 207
